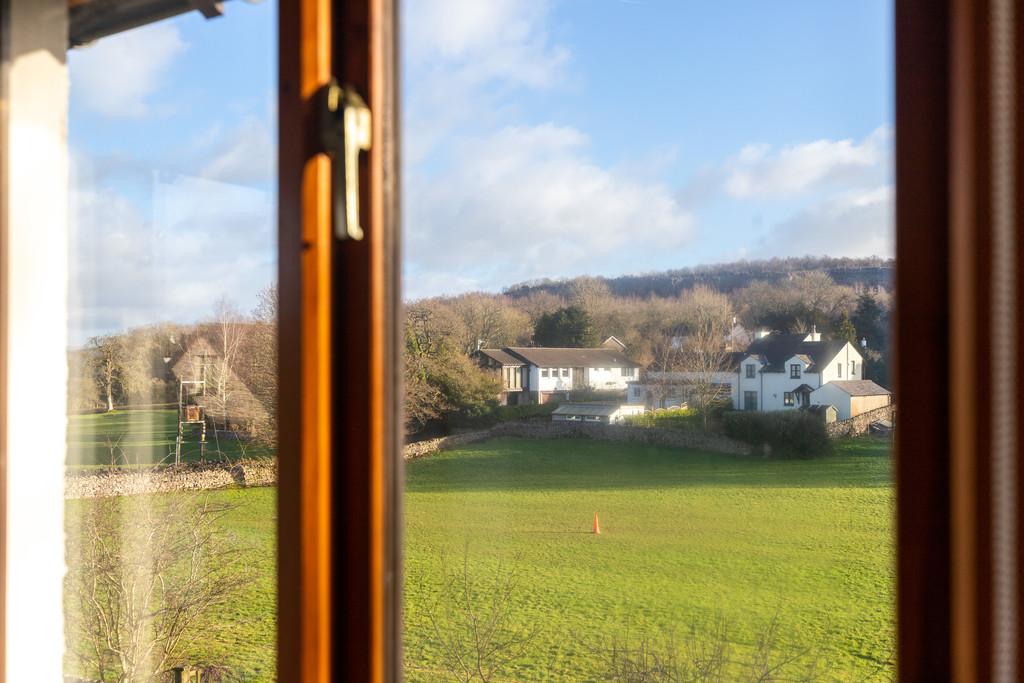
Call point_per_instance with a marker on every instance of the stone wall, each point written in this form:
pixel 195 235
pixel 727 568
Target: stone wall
pixel 859 424
pixel 162 479
pixel 561 430
pixel 418 449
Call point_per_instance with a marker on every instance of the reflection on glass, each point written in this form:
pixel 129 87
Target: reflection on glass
pixel 170 515
pixel 648 282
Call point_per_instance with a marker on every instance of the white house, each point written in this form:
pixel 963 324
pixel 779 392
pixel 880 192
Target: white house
pixel 539 374
pixel 851 397
pixel 779 371
pixel 594 413
pixel 776 372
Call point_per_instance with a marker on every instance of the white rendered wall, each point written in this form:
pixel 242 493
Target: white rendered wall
pixel 608 378
pixel 831 395
pixel 35 341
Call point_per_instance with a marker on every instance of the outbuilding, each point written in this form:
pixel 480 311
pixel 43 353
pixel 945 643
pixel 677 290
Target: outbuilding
pixel 851 397
pixel 595 413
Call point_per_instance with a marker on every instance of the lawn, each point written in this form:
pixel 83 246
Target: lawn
pixel 144 437
pixel 688 540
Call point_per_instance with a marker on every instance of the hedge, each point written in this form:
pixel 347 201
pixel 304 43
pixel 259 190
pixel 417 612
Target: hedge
pixel 793 433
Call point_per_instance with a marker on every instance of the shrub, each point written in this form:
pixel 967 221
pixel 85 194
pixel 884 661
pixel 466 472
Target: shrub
pixel 683 419
pixel 498 414
pixel 793 433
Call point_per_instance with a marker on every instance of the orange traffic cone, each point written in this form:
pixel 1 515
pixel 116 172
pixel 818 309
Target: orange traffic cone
pixel 597 525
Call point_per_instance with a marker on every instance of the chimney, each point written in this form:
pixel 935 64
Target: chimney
pixel 762 333
pixel 814 335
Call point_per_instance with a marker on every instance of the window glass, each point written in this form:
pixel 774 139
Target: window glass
pixel 170 479
pixel 663 170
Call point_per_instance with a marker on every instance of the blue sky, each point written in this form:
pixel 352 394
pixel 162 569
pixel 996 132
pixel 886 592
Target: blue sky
pixel 542 138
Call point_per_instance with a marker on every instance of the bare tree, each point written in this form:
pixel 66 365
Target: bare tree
pixel 489 320
pixel 229 330
pixel 142 579
pixel 261 351
pixel 108 361
pixel 703 355
pixel 473 621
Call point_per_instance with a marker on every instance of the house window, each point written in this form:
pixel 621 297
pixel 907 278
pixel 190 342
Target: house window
pixel 565 372
pixel 787 398
pixel 751 369
pixel 626 372
pixel 839 369
pixel 749 400
pixel 853 368
pixel 794 371
pixel 544 372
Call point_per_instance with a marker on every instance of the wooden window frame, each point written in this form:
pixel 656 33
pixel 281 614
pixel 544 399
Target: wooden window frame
pixel 340 497
pixel 340 466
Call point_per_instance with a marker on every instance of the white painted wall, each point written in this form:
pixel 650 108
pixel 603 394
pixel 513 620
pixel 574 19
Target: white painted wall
pixel 829 394
pixel 847 354
pixel 553 382
pixel 34 216
pixel 607 378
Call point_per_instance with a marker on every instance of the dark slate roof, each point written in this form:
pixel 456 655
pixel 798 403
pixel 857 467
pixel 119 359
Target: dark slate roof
pixel 775 349
pixel 591 409
pixel 502 357
pixel 544 357
pixel 860 387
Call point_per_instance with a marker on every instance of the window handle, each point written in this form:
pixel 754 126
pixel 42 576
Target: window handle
pixel 346 131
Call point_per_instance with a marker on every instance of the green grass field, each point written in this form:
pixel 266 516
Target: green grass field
pixel 143 437
pixel 688 540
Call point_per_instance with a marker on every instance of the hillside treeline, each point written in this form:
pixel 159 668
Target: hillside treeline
pixel 870 273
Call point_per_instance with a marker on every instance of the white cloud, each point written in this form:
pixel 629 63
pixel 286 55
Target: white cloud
pixel 244 154
pixel 855 223
pixel 202 240
pixel 464 60
pixel 482 41
pixel 525 202
pixel 759 171
pixel 117 76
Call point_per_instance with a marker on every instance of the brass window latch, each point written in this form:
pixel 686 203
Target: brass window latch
pixel 345 131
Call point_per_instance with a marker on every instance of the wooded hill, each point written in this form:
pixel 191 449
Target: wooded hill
pixel 872 273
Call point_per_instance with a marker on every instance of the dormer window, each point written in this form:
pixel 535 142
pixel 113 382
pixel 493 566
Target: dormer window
pixel 794 371
pixel 751 370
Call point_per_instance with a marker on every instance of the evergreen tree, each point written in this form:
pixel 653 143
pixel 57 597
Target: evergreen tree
pixel 569 327
pixel 846 329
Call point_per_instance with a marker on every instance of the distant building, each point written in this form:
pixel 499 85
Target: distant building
pixel 594 413
pixel 540 374
pixel 775 372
